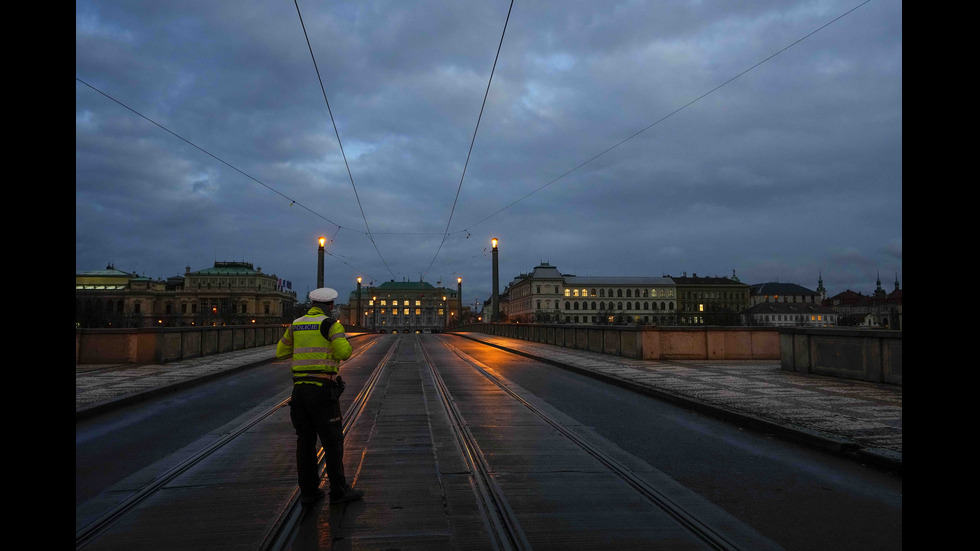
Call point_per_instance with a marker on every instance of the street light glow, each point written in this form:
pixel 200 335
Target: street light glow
pixel 322 240
pixel 494 241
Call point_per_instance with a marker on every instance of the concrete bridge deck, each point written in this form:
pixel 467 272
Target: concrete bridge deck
pixel 230 499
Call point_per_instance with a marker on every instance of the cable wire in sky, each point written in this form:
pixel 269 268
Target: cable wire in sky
pixel 229 165
pixel 473 140
pixel 209 154
pixel 667 116
pixel 344 155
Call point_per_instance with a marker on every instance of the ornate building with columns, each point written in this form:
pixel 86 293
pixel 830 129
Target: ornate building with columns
pixel 403 307
pixel 229 293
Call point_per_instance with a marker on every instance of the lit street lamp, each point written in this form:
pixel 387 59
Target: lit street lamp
pixel 494 303
pixel 319 266
pixel 459 296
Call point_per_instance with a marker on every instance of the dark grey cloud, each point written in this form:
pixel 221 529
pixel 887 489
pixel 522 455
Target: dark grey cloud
pixel 788 172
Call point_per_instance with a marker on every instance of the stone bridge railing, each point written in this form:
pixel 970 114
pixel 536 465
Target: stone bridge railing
pixel 162 345
pixel 866 355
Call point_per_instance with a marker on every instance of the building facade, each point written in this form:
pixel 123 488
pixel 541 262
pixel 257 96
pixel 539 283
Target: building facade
pixel 403 307
pixel 710 300
pixel 761 293
pixel 229 293
pixel 881 310
pixel 545 295
pixel 790 314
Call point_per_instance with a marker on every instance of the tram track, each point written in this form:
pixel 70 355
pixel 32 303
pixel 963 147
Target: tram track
pixel 499 518
pixel 286 520
pixel 713 539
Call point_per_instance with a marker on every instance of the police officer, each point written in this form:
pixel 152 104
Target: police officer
pixel 317 344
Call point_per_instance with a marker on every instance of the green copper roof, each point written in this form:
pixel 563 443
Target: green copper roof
pixel 110 271
pixel 228 268
pixel 405 285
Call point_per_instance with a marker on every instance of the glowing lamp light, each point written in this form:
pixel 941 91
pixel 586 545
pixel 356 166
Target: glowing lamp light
pixel 323 241
pixel 494 241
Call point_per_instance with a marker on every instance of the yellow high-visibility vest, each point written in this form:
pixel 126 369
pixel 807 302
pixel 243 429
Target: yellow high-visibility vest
pixel 311 353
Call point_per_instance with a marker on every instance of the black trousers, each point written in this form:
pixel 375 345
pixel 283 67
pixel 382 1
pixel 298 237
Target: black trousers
pixel 315 412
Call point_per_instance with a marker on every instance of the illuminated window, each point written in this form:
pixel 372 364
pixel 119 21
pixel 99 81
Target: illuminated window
pixel 384 303
pixel 700 308
pixel 440 311
pixel 568 292
pixel 574 292
pixel 418 311
pixel 406 311
pixel 418 303
pixel 394 303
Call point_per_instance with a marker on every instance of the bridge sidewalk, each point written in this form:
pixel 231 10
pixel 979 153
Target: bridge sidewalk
pixel 99 388
pixel 850 417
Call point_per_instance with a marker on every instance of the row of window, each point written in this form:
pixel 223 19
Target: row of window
pixel 119 306
pixel 795 317
pixel 613 319
pixel 569 305
pixel 647 293
pixel 405 311
pixel 384 302
pixel 100 287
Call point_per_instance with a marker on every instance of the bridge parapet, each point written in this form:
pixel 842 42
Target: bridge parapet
pixel 862 354
pixel 866 355
pixel 168 344
pixel 648 342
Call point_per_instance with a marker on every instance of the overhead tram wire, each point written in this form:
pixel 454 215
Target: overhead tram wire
pixel 337 132
pixel 473 139
pixel 236 169
pixel 672 113
pixel 213 156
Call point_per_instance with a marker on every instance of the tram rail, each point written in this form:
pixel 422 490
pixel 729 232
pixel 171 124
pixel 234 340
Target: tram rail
pixel 500 519
pixel 702 531
pixel 286 519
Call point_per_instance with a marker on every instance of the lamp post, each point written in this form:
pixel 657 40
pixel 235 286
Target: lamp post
pixel 459 296
pixel 319 264
pixel 374 316
pixel 445 308
pixel 494 303
pixel 359 301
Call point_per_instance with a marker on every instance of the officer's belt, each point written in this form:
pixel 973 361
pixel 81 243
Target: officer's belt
pixel 315 378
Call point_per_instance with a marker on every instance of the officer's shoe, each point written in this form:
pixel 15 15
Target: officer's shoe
pixel 311 498
pixel 348 494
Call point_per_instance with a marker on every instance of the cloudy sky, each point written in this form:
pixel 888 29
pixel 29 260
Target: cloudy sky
pixel 617 138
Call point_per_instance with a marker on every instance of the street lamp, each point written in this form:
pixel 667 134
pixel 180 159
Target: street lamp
pixel 374 317
pixel 319 265
pixel 445 307
pixel 359 300
pixel 459 296
pixel 494 303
